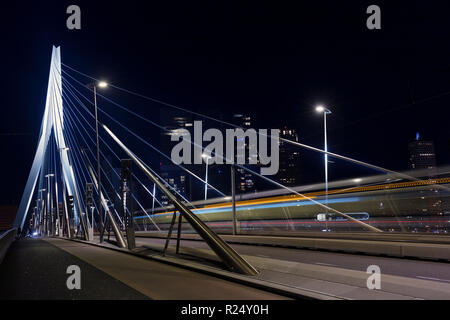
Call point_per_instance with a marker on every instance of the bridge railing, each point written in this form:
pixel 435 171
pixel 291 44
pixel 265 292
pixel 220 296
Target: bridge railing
pixel 227 254
pixel 6 240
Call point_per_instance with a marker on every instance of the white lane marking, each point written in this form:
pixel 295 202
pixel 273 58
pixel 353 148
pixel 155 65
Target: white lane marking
pixel 434 279
pixel 262 256
pixel 326 264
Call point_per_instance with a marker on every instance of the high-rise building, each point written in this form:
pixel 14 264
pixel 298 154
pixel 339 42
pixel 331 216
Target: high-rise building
pixel 176 178
pixel 423 157
pixel 289 171
pixel 173 174
pixel 245 181
pixel 422 154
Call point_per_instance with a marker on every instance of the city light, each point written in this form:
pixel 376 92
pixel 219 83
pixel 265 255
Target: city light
pixel 102 84
pixel 320 109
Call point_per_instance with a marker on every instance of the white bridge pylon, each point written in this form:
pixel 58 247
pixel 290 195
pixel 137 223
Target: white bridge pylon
pixel 53 120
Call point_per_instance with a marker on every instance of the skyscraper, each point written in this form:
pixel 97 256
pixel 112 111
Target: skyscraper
pixel 422 154
pixel 245 181
pixel 176 178
pixel 289 172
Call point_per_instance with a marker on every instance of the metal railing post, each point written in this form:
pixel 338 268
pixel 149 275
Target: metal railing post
pixel 119 237
pixel 230 257
pixel 233 198
pixel 180 221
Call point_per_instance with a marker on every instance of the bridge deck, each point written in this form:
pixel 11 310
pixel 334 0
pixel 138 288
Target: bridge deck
pixel 36 269
pixel 334 273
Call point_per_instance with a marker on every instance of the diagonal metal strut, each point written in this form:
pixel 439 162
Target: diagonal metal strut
pixel 231 258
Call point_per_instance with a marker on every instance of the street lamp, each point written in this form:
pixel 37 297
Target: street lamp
pixel 41 196
pixel 325 112
pixel 41 213
pixel 102 84
pixel 94 86
pixel 205 156
pixel 63 184
pixel 49 204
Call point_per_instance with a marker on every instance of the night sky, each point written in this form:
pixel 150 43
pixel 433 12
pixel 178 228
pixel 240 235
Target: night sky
pixel 272 61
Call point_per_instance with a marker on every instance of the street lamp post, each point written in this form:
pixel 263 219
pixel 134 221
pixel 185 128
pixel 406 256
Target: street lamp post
pixel 63 192
pixel 325 111
pixel 206 174
pixel 42 213
pixel 99 200
pixel 233 199
pixel 50 227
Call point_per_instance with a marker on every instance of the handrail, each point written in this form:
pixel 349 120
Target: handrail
pixel 5 241
pixel 230 257
pixel 119 237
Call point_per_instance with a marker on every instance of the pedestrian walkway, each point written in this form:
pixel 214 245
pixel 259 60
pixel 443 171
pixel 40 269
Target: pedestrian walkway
pixel 37 269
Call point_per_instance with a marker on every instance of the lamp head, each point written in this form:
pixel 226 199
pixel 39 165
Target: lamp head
pixel 322 109
pixel 102 84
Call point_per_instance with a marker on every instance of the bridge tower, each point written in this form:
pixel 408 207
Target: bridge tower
pixel 52 122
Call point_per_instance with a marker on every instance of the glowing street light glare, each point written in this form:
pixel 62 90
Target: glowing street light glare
pixel 320 109
pixel 102 84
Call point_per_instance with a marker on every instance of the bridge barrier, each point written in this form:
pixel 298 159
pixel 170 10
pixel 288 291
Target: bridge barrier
pixel 229 256
pixel 5 241
pixel 420 247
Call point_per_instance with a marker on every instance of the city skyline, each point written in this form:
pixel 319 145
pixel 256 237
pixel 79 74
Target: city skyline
pixel 278 72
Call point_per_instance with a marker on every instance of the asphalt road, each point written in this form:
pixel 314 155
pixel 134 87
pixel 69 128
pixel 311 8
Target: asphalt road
pixel 36 269
pixel 419 269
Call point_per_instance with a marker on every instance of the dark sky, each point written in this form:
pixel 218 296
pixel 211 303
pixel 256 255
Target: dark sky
pixel 273 61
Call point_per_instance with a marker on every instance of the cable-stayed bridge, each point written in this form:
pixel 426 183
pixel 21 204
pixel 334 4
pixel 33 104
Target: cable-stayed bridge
pixel 95 192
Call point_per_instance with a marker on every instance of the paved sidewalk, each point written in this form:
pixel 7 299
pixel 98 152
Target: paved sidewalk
pixel 36 270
